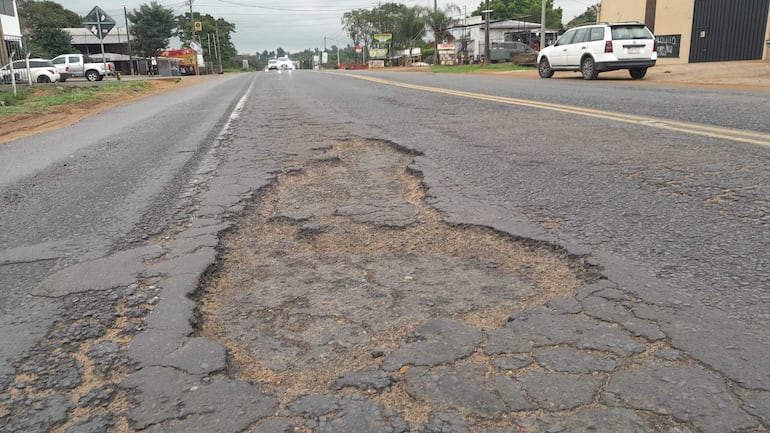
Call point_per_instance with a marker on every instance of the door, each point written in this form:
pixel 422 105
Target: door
pixel 558 55
pixel 699 52
pixel 578 47
pixel 75 64
pixel 728 30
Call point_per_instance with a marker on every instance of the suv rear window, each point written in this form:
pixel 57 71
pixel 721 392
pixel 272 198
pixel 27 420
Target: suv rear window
pixel 630 32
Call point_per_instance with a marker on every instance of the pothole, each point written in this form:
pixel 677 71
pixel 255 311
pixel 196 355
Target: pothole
pixel 340 259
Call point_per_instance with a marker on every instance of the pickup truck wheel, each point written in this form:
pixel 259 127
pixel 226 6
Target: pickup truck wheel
pixel 92 75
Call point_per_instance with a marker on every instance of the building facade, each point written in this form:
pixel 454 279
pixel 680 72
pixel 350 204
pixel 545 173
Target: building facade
pixel 693 31
pixel 10 30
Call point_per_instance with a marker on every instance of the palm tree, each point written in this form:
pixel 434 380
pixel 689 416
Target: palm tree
pixel 411 26
pixel 439 21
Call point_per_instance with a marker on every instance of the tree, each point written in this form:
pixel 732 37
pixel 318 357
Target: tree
pixel 528 10
pixel 439 21
pixel 49 43
pixel 42 23
pixel 153 27
pixel 358 24
pixel 212 29
pixel 587 17
pixel 362 24
pixel 409 27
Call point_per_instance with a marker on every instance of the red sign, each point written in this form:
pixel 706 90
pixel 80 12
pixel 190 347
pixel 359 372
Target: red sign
pixel 358 48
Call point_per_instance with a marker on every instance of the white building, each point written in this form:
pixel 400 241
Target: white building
pixel 469 33
pixel 10 29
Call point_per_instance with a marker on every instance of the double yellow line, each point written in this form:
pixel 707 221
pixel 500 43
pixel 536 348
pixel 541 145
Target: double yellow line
pixel 683 127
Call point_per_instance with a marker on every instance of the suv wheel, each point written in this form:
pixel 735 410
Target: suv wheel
pixel 637 73
pixel 43 79
pixel 588 68
pixel 544 68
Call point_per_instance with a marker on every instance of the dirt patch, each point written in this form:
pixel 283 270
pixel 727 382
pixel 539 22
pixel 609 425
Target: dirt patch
pixel 745 75
pixel 25 125
pixel 341 260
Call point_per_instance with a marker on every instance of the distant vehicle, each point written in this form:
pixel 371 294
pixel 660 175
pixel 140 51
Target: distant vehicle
pixel 595 48
pixel 40 71
pixel 77 65
pixel 280 63
pixel 508 51
pixel 188 61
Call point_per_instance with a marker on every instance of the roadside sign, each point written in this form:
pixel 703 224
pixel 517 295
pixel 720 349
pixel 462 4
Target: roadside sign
pixel 98 22
pixel 358 48
pixel 383 38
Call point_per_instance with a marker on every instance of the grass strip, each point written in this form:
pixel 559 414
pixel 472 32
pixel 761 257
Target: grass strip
pixel 39 99
pixel 473 68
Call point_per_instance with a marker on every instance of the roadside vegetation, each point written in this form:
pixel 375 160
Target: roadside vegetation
pixel 474 68
pixel 40 99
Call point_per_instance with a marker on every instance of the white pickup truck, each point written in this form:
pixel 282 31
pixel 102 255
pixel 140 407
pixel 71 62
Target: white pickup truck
pixel 76 65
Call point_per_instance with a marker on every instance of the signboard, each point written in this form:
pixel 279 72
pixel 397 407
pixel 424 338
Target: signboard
pixel 98 22
pixel 358 48
pixel 383 38
pixel 668 45
pixel 378 53
pixel 376 63
pixel 324 57
pixel 198 26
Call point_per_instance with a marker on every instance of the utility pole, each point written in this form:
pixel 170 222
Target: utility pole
pixel 128 35
pixel 486 35
pixel 192 38
pixel 542 26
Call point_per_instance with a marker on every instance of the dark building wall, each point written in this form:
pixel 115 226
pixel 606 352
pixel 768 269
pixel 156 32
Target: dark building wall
pixel 726 30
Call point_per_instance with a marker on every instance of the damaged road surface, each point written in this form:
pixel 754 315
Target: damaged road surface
pixel 354 259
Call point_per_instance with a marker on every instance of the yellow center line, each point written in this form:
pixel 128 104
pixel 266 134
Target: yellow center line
pixel 687 128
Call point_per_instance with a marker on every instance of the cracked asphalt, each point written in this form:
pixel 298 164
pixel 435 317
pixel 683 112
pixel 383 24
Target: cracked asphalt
pixel 318 280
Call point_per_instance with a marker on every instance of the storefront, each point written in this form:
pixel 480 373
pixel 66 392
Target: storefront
pixel 692 31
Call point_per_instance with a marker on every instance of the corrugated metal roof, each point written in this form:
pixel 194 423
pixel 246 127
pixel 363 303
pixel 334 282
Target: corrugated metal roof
pixel 84 36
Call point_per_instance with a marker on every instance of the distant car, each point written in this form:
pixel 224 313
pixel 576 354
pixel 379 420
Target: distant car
pixel 508 51
pixel 595 48
pixel 272 65
pixel 40 70
pixel 285 63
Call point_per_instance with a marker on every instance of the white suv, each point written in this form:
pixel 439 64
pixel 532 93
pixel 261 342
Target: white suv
pixel 40 71
pixel 596 48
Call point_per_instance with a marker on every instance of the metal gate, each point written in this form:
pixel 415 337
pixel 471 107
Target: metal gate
pixel 726 30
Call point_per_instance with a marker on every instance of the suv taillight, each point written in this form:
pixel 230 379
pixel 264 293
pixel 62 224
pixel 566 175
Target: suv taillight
pixel 654 45
pixel 608 47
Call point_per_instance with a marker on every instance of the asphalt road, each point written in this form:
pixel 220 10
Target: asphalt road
pixel 364 252
pixel 103 184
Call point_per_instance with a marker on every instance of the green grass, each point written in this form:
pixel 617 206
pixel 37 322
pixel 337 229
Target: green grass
pixel 473 68
pixel 39 99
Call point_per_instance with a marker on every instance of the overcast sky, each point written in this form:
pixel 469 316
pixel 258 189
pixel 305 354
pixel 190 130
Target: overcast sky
pixel 293 25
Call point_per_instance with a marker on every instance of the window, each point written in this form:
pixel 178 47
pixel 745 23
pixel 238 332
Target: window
pixel 597 34
pixel 566 38
pixel 58 60
pixel 6 8
pixel 74 59
pixel 581 36
pixel 630 32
